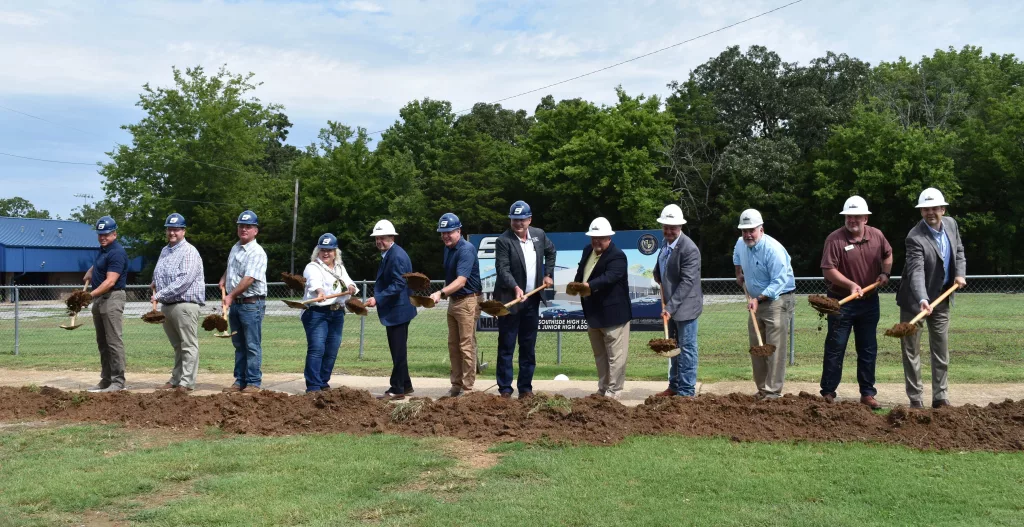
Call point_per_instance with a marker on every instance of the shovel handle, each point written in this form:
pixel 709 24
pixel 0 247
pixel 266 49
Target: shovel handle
pixel 862 291
pixel 328 297
pixel 154 304
pixel 937 301
pixel 664 318
pixel 524 297
pixel 753 320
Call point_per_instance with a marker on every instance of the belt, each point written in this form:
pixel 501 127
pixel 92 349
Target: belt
pixel 770 300
pixel 251 299
pixel 460 297
pixel 323 309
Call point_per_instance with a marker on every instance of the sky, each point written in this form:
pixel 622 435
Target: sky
pixel 77 67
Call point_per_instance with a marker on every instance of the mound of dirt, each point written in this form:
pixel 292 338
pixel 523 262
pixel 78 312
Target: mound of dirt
pixel 488 418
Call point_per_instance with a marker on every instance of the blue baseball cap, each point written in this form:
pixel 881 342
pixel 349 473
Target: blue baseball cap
pixel 106 225
pixel 520 210
pixel 248 218
pixel 175 220
pixel 448 223
pixel 327 241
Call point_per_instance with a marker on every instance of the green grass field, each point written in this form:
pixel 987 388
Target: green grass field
pixel 987 336
pixel 96 475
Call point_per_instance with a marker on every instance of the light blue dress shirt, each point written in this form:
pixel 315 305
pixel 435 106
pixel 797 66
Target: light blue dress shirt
pixel 767 268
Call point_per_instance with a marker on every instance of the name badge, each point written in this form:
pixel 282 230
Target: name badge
pixel 848 247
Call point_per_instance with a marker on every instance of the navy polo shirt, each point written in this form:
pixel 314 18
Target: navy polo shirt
pixel 462 261
pixel 112 259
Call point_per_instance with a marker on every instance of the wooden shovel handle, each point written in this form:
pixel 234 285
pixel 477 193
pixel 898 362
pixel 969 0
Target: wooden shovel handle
pixel 327 297
pixel 936 302
pixel 862 291
pixel 664 318
pixel 154 304
pixel 753 319
pixel 524 297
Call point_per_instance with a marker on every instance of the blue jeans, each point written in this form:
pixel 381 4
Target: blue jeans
pixel 521 325
pixel 247 321
pixel 861 317
pixel 682 373
pixel 323 338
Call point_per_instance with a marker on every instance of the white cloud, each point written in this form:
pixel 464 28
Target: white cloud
pixel 362 6
pixel 14 18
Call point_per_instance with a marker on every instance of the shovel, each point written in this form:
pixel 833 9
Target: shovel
pixel 154 316
pixel 760 350
pixel 356 306
pixel 665 347
pixel 305 303
pixel 72 324
pixel 497 309
pixel 830 306
pixel 421 301
pixel 417 281
pixel 907 329
pixel 224 313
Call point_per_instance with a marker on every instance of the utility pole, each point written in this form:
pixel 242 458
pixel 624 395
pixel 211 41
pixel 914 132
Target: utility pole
pixel 295 221
pixel 85 198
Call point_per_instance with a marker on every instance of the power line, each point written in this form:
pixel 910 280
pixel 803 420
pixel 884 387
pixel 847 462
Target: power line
pixel 42 119
pixel 638 57
pixel 47 160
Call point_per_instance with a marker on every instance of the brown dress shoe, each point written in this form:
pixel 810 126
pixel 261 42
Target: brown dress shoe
pixel 940 403
pixel 916 404
pixel 525 395
pixel 870 402
pixel 182 389
pixel 506 395
pixel 252 389
pixel 166 386
pixel 232 388
pixel 831 398
pixel 666 393
pixel 388 396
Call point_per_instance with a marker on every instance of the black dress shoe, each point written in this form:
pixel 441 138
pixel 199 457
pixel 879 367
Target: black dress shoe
pixel 525 395
pixel 940 403
pixel 506 395
pixel 916 404
pixel 829 397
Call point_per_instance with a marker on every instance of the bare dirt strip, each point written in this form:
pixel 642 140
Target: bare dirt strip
pixel 487 418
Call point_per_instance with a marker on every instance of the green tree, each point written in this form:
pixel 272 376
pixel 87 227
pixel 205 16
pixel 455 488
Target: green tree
pixel 21 208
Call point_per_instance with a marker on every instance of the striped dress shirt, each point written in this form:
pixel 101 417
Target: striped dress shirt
pixel 178 276
pixel 247 260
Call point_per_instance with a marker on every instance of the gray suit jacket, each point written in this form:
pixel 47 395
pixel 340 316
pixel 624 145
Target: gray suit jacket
pixel 510 264
pixel 923 270
pixel 683 273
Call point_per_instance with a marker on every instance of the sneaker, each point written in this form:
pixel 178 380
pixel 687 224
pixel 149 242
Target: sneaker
pixel 251 389
pixel 233 388
pixel 666 393
pixel 612 395
pixel 167 386
pixel 112 388
pixel 98 388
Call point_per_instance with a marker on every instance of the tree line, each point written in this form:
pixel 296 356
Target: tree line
pixel 744 129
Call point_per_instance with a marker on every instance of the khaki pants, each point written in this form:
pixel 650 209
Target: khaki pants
pixel 463 313
pixel 773 319
pixel 107 317
pixel 611 349
pixel 938 344
pixel 182 329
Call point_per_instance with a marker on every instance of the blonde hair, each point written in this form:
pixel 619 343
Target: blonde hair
pixel 316 255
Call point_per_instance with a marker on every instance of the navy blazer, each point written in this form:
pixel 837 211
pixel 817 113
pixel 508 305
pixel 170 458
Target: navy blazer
pixel 608 304
pixel 510 265
pixel 391 290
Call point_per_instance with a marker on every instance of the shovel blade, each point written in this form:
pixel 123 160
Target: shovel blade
pixel 76 326
pixel 670 353
pixel 294 304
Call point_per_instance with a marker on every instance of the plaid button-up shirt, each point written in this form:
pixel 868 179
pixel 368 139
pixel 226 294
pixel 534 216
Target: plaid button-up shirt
pixel 178 276
pixel 247 260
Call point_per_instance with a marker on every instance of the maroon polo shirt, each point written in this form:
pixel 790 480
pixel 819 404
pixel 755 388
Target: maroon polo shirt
pixel 859 261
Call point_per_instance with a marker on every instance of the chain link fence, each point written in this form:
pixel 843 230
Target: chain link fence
pixel 988 321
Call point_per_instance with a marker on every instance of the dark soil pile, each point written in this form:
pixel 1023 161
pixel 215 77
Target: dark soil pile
pixel 663 345
pixel 488 418
pixel 78 301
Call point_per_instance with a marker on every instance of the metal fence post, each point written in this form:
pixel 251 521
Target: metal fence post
pixel 362 326
pixel 558 358
pixel 17 332
pixel 792 334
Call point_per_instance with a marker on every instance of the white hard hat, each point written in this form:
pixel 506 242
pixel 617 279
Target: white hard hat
pixel 383 228
pixel 749 219
pixel 600 227
pixel 931 197
pixel 672 215
pixel 855 206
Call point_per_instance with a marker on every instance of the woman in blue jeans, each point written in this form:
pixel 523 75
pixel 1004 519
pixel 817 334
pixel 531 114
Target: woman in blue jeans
pixel 324 319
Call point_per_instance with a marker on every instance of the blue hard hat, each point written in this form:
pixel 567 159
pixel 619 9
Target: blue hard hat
pixel 106 225
pixel 448 223
pixel 327 241
pixel 248 218
pixel 520 210
pixel 175 220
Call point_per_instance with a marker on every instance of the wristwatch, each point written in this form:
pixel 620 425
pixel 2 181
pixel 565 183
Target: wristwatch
pixel 887 275
pixel 444 296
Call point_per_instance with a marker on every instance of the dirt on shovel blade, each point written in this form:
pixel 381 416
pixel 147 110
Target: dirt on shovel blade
pixel 763 351
pixel 293 281
pixel 417 281
pixel 153 317
pixel 663 345
pixel 77 301
pixel 488 418
pixel 901 330
pixel 824 304
pixel 356 306
pixel 215 322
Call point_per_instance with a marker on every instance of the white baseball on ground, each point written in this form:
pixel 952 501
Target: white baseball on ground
pixel 561 377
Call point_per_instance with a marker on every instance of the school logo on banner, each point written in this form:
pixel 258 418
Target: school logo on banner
pixel 647 244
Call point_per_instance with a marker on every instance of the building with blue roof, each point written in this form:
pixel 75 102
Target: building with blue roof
pixel 35 251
